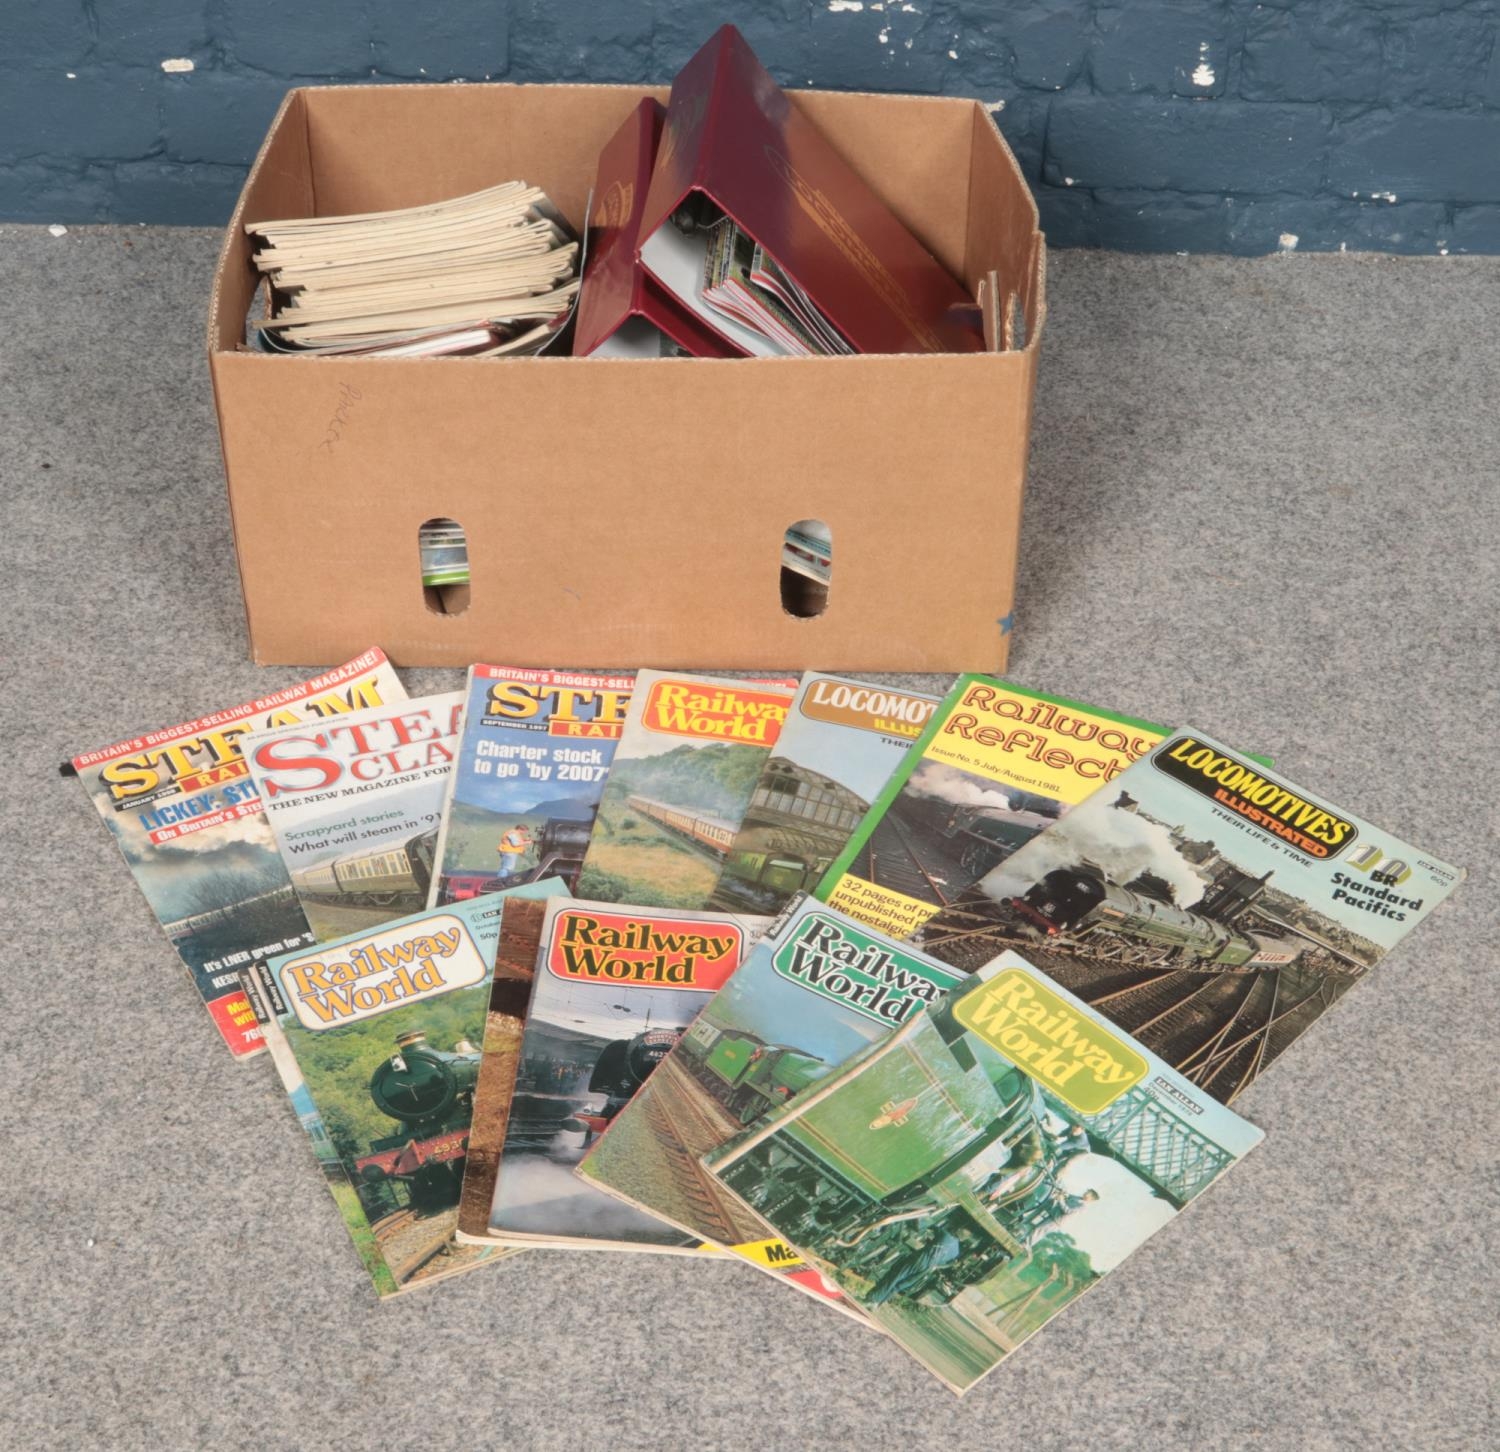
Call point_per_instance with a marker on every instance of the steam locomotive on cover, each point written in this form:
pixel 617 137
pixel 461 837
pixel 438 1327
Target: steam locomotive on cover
pixel 430 1094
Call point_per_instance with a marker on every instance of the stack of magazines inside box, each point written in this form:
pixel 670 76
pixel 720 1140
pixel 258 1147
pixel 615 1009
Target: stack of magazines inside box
pixel 931 1009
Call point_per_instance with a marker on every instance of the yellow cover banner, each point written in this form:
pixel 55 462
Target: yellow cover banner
pixel 774 1253
pixel 1064 752
pixel 892 912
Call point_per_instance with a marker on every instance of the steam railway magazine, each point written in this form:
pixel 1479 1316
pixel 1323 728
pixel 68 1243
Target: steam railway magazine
pixel 841 742
pixel 532 759
pixel 375 1037
pixel 355 807
pixel 819 989
pixel 688 759
pixel 191 826
pixel 984 1165
pixel 613 990
pixel 1203 903
pixel 995 765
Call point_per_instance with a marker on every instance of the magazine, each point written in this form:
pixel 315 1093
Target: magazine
pixel 190 824
pixel 841 742
pixel 996 765
pixel 613 991
pixel 1203 903
pixel 816 991
pixel 355 808
pixel 521 923
pixel 535 749
pixel 983 1166
pixel 375 1039
pixel 689 757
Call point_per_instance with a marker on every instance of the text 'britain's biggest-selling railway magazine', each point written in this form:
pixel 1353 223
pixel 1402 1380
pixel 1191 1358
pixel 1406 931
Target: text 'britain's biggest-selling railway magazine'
pixel 1203 903
pixel 995 766
pixel 185 814
pixel 535 750
pixel 375 1037
pixel 817 990
pixel 613 991
pixel 687 761
pixel 983 1166
pixel 841 742
pixel 356 805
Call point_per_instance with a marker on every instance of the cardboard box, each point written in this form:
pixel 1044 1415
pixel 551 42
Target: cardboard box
pixel 627 512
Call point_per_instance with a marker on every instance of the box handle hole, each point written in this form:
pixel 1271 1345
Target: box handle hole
pixel 806 568
pixel 443 557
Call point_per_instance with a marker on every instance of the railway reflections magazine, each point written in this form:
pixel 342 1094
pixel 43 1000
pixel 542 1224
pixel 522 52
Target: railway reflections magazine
pixel 376 1038
pixel 996 765
pixel 1203 903
pixel 355 806
pixel 841 742
pixel 688 759
pixel 819 989
pixel 983 1166
pixel 532 759
pixel 613 990
pixel 186 816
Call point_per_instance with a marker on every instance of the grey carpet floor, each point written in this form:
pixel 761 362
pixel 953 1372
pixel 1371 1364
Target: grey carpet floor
pixel 1262 501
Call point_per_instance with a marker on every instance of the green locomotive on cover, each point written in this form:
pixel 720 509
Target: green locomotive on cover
pixel 746 1075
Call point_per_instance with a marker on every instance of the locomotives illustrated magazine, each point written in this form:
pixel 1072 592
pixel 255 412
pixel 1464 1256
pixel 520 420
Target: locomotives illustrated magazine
pixel 841 742
pixel 1203 903
pixel 375 1036
pixel 355 806
pixel 688 759
pixel 983 1166
pixel 535 750
pixel 995 766
pixel 817 990
pixel 613 991
pixel 190 824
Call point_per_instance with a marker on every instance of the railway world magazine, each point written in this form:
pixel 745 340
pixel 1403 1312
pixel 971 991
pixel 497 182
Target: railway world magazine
pixel 375 1036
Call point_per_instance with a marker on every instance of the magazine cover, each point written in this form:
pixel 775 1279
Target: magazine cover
pixel 377 1051
pixel 983 1166
pixel 995 766
pixel 614 989
pixel 190 824
pixel 688 759
pixel 535 749
pixel 841 742
pixel 817 990
pixel 355 807
pixel 1204 904
pixel 521 922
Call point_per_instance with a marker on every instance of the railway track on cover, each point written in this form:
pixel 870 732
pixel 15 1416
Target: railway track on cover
pixel 676 1126
pixel 895 863
pixel 408 1242
pixel 389 1224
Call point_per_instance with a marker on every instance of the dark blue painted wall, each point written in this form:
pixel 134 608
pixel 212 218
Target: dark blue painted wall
pixel 1154 125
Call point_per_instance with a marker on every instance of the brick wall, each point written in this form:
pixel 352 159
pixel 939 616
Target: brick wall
pixel 1153 125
